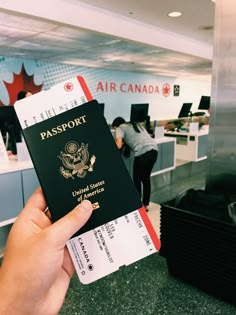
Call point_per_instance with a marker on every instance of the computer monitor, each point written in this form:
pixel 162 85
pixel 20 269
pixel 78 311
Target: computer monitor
pixel 185 110
pixel 139 112
pixel 204 102
pixel 9 124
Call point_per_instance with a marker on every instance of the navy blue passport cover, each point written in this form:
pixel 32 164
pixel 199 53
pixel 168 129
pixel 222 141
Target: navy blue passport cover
pixel 75 158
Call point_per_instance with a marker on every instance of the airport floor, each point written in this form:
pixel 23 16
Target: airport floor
pixel 146 287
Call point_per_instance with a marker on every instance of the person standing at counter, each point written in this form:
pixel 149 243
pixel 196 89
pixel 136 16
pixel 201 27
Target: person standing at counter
pixel 136 137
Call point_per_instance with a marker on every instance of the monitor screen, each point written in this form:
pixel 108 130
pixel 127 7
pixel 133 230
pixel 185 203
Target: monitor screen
pixel 185 110
pixel 9 124
pixel 139 112
pixel 204 102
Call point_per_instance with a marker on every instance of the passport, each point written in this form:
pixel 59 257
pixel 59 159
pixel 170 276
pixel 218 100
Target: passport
pixel 75 158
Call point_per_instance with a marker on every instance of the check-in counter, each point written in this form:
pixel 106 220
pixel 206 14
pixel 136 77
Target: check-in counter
pixel 166 160
pixel 166 156
pixel 18 181
pixel 190 146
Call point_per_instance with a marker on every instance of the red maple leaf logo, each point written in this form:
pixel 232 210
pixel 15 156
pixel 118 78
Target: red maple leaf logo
pixel 68 87
pixel 166 89
pixel 21 81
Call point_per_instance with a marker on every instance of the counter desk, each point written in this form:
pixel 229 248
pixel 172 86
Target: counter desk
pixel 190 146
pixel 18 181
pixel 166 160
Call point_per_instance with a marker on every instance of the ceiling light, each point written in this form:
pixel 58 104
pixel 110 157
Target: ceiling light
pixel 175 14
pixel 213 0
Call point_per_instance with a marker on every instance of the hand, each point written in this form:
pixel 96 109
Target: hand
pixel 37 268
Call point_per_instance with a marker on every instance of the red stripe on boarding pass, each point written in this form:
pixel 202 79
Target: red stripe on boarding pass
pixel 85 88
pixel 150 228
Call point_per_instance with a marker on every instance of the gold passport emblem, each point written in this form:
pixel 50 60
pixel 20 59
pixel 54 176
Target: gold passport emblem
pixel 76 160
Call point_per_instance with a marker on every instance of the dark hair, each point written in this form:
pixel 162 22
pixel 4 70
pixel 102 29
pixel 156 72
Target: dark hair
pixel 118 121
pixel 22 94
pixel 136 127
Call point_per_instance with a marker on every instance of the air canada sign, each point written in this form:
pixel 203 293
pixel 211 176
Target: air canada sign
pixel 125 87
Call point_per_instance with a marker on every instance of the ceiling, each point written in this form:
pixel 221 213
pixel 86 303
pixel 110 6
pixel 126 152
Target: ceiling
pixel 25 36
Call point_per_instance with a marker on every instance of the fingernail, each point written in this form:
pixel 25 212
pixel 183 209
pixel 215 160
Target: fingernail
pixel 86 205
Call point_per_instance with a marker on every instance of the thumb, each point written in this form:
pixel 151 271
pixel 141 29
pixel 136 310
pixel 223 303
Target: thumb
pixel 62 230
